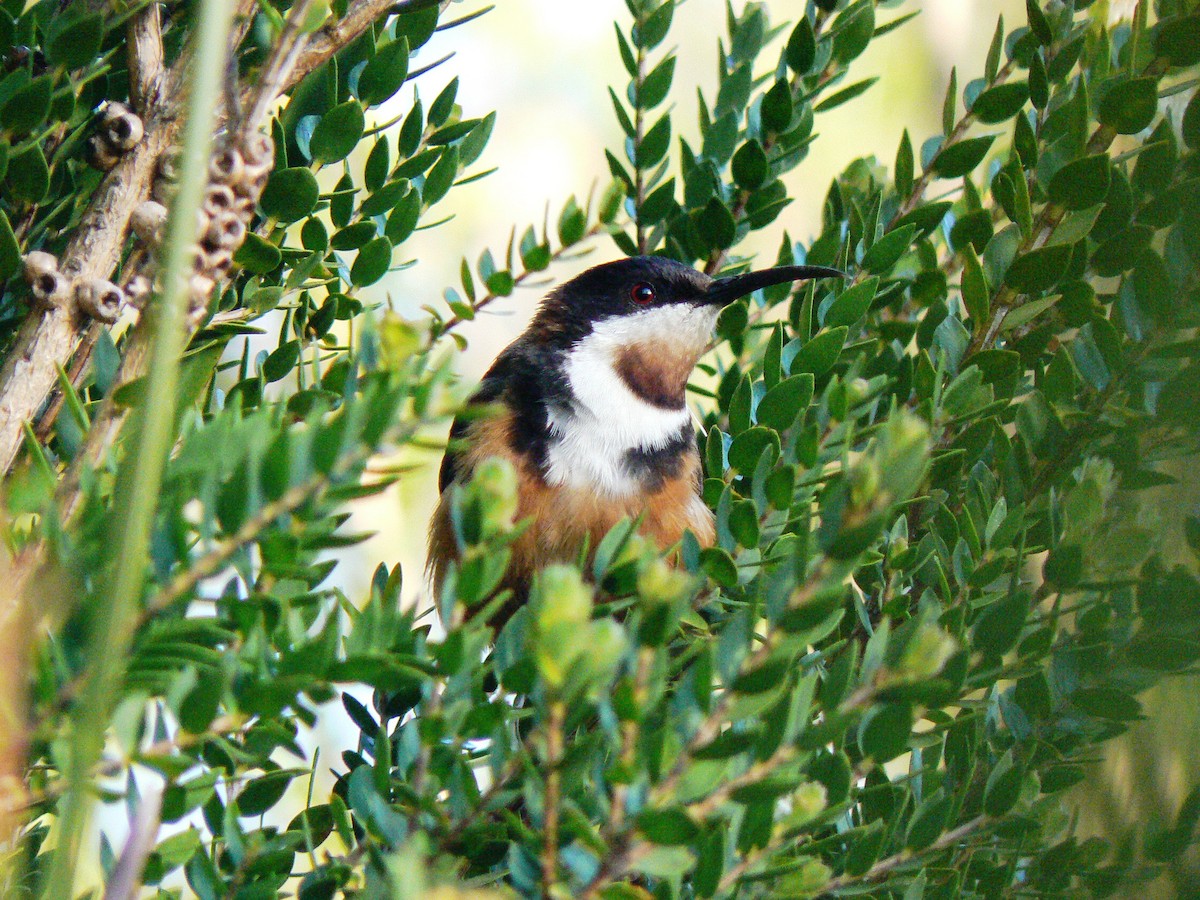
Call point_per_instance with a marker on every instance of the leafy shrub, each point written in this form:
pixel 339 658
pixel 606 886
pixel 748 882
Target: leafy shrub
pixel 933 595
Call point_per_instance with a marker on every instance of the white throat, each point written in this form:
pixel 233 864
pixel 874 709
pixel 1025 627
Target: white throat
pixel 590 440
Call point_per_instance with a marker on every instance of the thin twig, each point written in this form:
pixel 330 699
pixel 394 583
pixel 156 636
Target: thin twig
pixel 140 476
pixel 886 866
pixel 337 34
pixel 630 731
pixel 145 58
pixel 279 67
pixel 126 879
pixel 552 799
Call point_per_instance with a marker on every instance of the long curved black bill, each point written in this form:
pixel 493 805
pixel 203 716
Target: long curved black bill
pixel 726 290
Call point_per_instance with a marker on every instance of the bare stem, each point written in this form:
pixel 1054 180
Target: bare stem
pixel 141 474
pixel 554 752
pixel 889 864
pixel 126 879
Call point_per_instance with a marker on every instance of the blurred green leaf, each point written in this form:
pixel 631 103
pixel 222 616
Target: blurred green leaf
pixel 384 72
pixel 372 263
pixel 1081 183
pixel 290 194
pixel 338 133
pixel 1129 106
pixel 1039 269
pixel 960 158
pixel 1000 103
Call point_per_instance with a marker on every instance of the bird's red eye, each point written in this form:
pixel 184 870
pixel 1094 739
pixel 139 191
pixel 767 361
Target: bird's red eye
pixel 643 294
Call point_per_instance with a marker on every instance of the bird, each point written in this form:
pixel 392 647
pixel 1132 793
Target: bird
pixel 589 406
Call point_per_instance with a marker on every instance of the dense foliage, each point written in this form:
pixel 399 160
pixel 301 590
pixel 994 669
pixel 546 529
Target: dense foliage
pixel 934 593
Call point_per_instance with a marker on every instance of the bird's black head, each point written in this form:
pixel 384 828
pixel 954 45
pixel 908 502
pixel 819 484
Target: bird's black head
pixel 636 286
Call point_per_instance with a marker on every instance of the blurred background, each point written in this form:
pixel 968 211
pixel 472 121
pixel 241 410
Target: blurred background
pixel 545 66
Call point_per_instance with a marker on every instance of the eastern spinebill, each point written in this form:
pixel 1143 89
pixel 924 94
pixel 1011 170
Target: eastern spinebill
pixel 590 407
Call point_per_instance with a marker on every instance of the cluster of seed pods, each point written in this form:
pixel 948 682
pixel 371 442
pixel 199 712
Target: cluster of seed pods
pixel 238 172
pixel 118 130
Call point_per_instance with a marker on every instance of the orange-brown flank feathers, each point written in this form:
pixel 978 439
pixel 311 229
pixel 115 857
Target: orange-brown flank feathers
pixel 563 517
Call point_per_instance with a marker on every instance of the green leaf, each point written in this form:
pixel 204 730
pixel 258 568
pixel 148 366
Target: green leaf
pixel 10 250
pixel 992 63
pixel 417 25
pixel 1121 251
pixel 748 446
pixel 998 627
pixel 657 84
pixel 749 166
pixel 1038 23
pixel 715 225
pixel 1039 82
pixel 928 821
pixel 441 177
pixel 886 252
pixel 28 176
pixel 960 158
pixel 1000 103
pixel 281 361
pixel 1107 703
pixel 719 566
pixel 1003 787
pixel 409 138
pixel 28 107
pixel 851 305
pixel 75 41
pixel 652 31
pixel 975 292
pixel 262 793
pixel 904 165
pixel 257 255
pixel 402 220
pixel 654 143
pixel 781 405
pixel 884 732
pixel 950 103
pixel 572 224
pixel 1081 183
pixel 338 132
pixel 819 355
pixel 353 236
pixel 852 30
pixel 1191 122
pixel 372 263
pixel 384 73
pixel 1025 143
pixel 290 194
pixel 845 95
pixel 443 104
pixel 1039 269
pixel 1178 39
pixel 973 229
pixel 777 107
pixel 801 50
pixel 1130 106
pixel 375 170
pixel 865 849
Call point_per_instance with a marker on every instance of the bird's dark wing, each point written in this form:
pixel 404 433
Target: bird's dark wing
pixel 490 390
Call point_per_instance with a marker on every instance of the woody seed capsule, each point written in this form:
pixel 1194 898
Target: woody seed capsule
pixel 100 299
pixel 46 282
